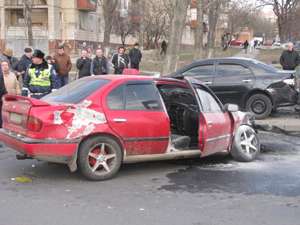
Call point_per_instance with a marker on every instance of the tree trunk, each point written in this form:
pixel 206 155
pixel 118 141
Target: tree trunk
pixel 28 21
pixel 198 52
pixel 109 8
pixel 213 17
pixel 176 31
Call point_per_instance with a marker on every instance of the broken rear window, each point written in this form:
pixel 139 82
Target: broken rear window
pixel 76 91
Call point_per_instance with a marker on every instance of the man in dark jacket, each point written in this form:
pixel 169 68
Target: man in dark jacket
pixel 39 79
pixel 120 60
pixel 135 56
pixel 83 64
pixel 24 63
pixel 99 63
pixel 289 58
pixel 63 65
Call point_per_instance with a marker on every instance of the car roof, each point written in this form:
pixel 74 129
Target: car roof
pixel 113 77
pixel 225 58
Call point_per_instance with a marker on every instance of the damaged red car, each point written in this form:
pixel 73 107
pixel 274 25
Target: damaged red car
pixel 98 123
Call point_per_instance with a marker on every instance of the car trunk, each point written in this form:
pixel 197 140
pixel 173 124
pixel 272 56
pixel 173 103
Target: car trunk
pixel 31 117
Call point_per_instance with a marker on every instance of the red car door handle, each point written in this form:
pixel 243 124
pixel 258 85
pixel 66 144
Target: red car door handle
pixel 209 123
pixel 119 120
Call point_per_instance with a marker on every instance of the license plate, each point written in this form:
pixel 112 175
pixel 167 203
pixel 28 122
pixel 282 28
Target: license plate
pixel 15 118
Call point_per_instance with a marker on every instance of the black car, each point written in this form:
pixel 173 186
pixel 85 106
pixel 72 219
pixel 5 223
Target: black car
pixel 252 85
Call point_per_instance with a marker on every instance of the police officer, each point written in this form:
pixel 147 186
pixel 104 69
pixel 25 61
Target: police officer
pixel 39 78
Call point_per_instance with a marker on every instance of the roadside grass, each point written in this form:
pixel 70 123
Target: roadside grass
pixel 269 56
pixel 153 61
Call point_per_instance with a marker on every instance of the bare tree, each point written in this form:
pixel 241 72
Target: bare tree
pixel 28 20
pixel 214 10
pixel 284 11
pixel 109 7
pixel 178 23
pixel 156 22
pixel 125 26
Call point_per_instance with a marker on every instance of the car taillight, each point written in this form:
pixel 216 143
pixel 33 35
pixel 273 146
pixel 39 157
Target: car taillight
pixel 34 124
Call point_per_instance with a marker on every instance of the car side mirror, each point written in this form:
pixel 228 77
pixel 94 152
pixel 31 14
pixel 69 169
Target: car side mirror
pixel 231 108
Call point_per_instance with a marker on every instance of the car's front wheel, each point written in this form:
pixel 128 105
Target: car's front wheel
pixel 246 145
pixel 260 105
pixel 100 158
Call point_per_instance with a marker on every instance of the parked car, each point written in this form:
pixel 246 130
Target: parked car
pixel 236 43
pixel 252 85
pixel 98 123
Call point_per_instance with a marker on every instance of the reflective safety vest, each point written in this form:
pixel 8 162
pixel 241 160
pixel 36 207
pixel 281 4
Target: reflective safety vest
pixel 43 78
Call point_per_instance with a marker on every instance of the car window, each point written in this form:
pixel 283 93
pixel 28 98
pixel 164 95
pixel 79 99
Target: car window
pixel 76 91
pixel 208 102
pixel 200 70
pixel 142 97
pixel 232 70
pixel 115 99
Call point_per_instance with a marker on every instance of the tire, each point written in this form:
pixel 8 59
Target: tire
pixel 246 145
pixel 100 158
pixel 260 105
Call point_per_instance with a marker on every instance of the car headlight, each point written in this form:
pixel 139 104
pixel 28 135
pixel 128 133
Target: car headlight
pixel 289 81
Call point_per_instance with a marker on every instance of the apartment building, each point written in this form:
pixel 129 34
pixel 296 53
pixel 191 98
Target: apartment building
pixel 54 21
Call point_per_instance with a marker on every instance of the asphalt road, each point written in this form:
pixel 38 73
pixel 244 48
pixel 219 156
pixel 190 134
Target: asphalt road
pixel 211 191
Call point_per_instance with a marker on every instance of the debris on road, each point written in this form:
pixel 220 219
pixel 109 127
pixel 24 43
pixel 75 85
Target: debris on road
pixel 22 179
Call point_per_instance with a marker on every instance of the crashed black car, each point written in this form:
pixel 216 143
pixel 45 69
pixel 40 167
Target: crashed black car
pixel 252 85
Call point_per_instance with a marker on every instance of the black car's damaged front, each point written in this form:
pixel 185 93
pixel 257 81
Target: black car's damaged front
pixel 283 92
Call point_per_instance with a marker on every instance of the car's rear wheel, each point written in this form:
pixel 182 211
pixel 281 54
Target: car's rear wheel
pixel 245 146
pixel 100 158
pixel 260 105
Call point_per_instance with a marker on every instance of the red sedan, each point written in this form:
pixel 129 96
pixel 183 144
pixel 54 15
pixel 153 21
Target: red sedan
pixel 97 123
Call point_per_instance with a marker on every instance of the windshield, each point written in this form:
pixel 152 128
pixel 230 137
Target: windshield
pixel 76 91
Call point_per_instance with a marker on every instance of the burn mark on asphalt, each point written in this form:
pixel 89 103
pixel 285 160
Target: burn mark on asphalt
pixel 276 172
pixel 198 180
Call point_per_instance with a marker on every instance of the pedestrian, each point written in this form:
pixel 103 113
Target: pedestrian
pixel 10 80
pixel 7 55
pixel 135 56
pixel 63 66
pixel 163 47
pixel 289 58
pixel 245 46
pixel 255 44
pixel 83 64
pixel 39 79
pixel 99 63
pixel 251 44
pixel 24 63
pixel 50 60
pixel 2 93
pixel 120 60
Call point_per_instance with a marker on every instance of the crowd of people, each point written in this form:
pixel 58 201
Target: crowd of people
pixel 36 75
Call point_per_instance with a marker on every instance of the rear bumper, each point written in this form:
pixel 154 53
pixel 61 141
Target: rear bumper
pixel 52 150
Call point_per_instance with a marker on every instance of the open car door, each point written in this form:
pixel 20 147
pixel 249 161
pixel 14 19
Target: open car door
pixel 215 127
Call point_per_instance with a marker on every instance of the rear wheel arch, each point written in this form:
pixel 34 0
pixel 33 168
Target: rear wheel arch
pixel 73 163
pixel 257 91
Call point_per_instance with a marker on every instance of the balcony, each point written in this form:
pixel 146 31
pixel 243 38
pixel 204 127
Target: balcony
pixel 16 4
